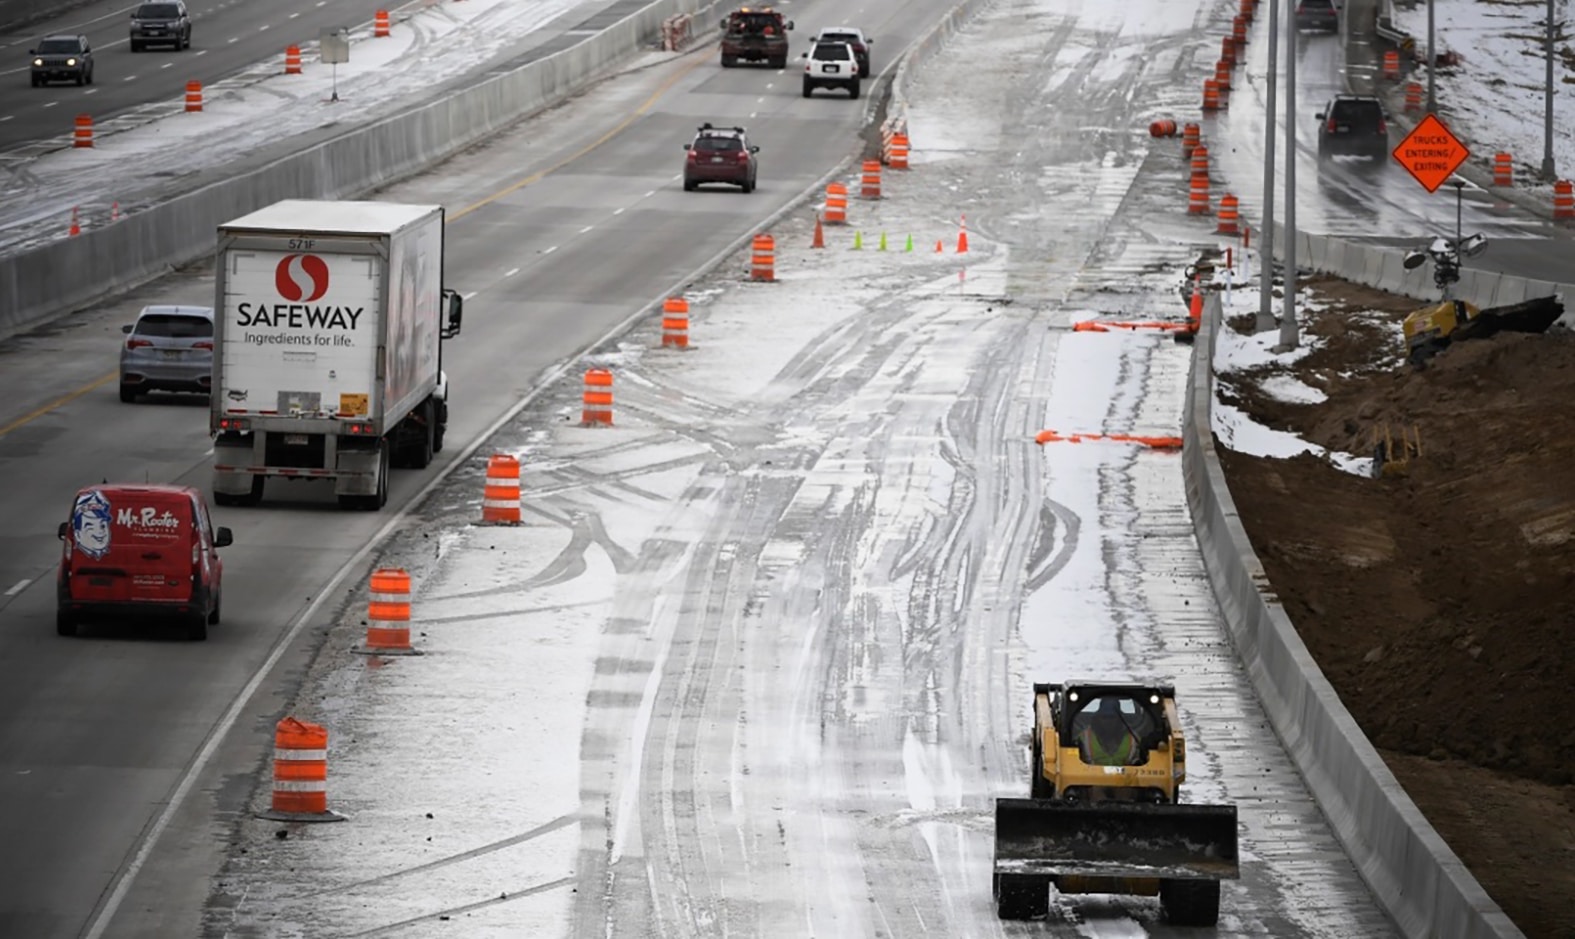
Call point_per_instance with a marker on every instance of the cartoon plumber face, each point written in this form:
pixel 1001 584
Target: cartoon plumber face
pixel 90 518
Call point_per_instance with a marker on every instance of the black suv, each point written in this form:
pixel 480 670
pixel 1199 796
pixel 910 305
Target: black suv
pixel 1317 15
pixel 163 23
pixel 720 155
pixel 1353 125
pixel 62 58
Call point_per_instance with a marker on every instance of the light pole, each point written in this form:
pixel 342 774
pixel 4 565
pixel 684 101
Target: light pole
pixel 1432 61
pixel 1288 337
pixel 1548 171
pixel 1265 320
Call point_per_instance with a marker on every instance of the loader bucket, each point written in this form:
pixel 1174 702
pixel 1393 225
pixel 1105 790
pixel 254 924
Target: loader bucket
pixel 1532 316
pixel 1115 839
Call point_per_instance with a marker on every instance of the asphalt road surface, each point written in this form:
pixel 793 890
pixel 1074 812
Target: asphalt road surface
pixel 227 36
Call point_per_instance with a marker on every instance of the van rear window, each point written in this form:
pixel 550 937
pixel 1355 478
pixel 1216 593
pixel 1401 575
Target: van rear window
pixel 102 520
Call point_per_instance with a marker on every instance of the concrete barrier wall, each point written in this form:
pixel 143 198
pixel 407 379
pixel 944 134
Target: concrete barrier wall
pixel 17 13
pixel 1410 869
pixel 68 274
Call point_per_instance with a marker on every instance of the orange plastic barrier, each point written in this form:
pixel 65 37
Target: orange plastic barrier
pixel 763 258
pixel 898 158
pixel 1191 136
pixel 1564 199
pixel 300 773
pixel 836 204
pixel 292 60
pixel 1198 196
pixel 83 135
pixel 380 23
pixel 1164 128
pixel 193 96
pixel 1200 161
pixel 1413 96
pixel 1238 30
pixel 1154 442
pixel 1228 50
pixel 1503 170
pixel 869 181
pixel 598 398
pixel 1229 217
pixel 1222 77
pixel 500 496
pixel 1392 65
pixel 675 322
pixel 388 613
pixel 1211 95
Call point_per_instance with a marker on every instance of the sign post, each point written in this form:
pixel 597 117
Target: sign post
pixel 1431 153
pixel 333 44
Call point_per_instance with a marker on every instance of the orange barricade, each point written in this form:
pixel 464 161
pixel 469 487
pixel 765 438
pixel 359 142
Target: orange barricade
pixel 1200 161
pixel 1222 76
pixel 300 773
pixel 869 181
pixel 83 136
pixel 763 261
pixel 1563 200
pixel 500 496
pixel 598 398
pixel 1413 96
pixel 1503 170
pixel 292 60
pixel 899 152
pixel 193 96
pixel 380 23
pixel 1228 51
pixel 1198 196
pixel 1248 8
pixel 1392 65
pixel 1238 31
pixel 675 322
pixel 1164 128
pixel 1191 136
pixel 388 614
pixel 1230 216
pixel 836 204
pixel 1211 95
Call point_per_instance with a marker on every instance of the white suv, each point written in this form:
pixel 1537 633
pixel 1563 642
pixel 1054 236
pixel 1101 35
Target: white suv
pixel 833 65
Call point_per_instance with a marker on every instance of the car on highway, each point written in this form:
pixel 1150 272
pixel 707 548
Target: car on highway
pixel 1317 15
pixel 755 34
pixel 1353 125
pixel 163 23
pixel 854 37
pixel 720 155
pixel 168 348
pixel 61 58
pixel 831 65
pixel 140 552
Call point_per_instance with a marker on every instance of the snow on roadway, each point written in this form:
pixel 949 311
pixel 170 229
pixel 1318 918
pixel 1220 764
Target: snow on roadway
pixel 759 658
pixel 133 155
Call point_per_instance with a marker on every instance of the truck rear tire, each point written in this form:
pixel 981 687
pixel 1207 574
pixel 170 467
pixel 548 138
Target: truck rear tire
pixel 1021 896
pixel 1190 902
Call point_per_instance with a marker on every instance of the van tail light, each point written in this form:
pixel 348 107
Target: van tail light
pixel 1383 127
pixel 203 344
pixel 138 343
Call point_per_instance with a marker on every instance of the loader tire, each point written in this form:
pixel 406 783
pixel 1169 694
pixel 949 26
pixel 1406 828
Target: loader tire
pixel 1021 896
pixel 1038 786
pixel 1190 902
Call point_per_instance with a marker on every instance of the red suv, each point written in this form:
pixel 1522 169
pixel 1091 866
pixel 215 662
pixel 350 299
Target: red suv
pixel 720 155
pixel 143 552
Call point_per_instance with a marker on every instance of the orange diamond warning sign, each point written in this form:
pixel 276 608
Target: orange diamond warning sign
pixel 1431 153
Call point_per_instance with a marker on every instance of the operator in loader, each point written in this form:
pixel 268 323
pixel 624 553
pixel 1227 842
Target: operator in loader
pixel 1106 737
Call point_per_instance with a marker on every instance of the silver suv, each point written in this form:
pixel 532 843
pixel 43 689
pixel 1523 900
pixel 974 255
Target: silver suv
pixel 168 348
pixel 164 22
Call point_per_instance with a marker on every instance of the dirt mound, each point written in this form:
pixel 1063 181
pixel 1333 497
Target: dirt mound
pixel 1439 603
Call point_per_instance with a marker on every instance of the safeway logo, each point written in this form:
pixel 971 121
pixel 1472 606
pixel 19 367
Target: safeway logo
pixel 301 278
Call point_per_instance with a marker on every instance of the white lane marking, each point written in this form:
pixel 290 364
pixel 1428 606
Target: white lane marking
pixel 586 229
pixel 202 51
pixel 20 586
pixel 294 15
pixel 549 250
pixel 617 211
pixel 7 117
pixel 166 65
pixel 511 272
pixel 263 28
pixel 236 39
pixel 752 114
pixel 653 191
pixel 50 104
pixel 129 78
pixel 90 91
pixel 470 295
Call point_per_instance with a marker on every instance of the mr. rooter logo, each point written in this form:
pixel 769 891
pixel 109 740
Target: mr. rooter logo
pixel 301 278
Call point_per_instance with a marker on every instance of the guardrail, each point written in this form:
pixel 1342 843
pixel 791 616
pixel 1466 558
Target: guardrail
pixel 71 273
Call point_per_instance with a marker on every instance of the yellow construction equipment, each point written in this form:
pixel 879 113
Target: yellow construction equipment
pixel 1393 450
pixel 1103 813
pixel 1429 330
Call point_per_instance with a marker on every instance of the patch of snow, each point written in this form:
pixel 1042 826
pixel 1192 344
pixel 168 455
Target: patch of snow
pixel 1290 389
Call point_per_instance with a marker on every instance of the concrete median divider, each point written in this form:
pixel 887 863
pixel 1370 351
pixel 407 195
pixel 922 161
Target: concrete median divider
pixel 68 274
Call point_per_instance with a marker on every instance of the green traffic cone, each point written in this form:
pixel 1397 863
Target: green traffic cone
pixel 883 241
pixel 858 240
pixel 909 248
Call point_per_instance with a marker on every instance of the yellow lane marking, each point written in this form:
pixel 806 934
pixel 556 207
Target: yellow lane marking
pixel 512 187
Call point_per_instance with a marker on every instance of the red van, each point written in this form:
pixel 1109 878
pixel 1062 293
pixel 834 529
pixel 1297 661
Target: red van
pixel 147 551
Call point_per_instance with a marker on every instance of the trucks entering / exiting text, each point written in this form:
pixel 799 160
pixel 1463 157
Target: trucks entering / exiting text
pixel 328 347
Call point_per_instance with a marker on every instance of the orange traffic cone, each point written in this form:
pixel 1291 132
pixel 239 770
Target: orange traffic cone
pixel 962 236
pixel 76 228
pixel 1195 309
pixel 820 234
pixel 939 247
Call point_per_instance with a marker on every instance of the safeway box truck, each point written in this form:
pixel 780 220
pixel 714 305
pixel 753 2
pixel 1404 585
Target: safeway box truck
pixel 328 347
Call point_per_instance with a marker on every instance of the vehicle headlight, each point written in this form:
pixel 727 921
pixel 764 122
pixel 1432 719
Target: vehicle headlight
pixel 70 62
pixel 39 62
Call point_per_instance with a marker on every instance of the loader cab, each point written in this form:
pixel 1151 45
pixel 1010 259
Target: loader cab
pixel 1107 741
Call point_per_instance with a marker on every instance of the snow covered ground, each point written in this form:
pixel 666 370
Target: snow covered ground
pixel 429 43
pixel 1495 99
pixel 758 661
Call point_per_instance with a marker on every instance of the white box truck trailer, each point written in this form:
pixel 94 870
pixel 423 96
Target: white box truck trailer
pixel 328 347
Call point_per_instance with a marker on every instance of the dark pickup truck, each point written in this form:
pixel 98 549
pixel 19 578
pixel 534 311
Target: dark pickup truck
pixel 755 34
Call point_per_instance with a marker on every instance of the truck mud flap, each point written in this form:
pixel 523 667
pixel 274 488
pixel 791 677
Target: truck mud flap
pixel 1178 842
